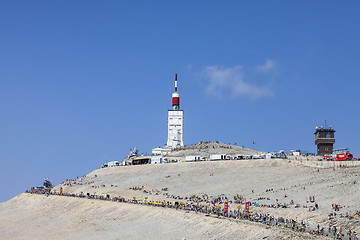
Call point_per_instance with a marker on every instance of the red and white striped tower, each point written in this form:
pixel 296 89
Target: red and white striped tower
pixel 176 96
pixel 175 122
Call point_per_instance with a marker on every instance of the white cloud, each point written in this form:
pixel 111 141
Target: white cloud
pixel 267 66
pixel 222 80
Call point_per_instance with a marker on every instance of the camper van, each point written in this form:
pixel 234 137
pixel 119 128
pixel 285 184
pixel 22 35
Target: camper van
pixel 216 157
pixel 280 154
pixel 156 159
pixel 175 160
pixel 113 164
pixel 125 163
pixel 110 164
pixel 194 158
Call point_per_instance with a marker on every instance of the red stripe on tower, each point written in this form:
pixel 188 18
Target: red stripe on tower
pixel 176 101
pixel 175 82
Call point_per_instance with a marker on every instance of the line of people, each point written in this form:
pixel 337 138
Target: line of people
pixel 295 225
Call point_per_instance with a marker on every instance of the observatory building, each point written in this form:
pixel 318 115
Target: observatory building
pixel 324 140
pixel 175 121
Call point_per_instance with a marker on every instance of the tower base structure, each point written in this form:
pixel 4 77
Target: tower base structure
pixel 324 149
pixel 324 140
pixel 175 129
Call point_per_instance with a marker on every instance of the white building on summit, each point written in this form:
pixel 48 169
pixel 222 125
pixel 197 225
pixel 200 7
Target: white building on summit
pixel 175 122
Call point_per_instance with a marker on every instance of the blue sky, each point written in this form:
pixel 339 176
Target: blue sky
pixel 82 82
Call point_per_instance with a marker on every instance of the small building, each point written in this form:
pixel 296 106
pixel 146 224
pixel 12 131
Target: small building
pixel 160 151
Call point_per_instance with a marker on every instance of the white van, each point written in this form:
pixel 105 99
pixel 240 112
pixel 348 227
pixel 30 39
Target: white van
pixel 215 157
pixel 194 158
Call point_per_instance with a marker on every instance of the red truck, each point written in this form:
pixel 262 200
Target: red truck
pixel 343 157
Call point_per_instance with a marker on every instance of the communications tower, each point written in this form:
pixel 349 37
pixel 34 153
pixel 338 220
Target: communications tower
pixel 175 121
